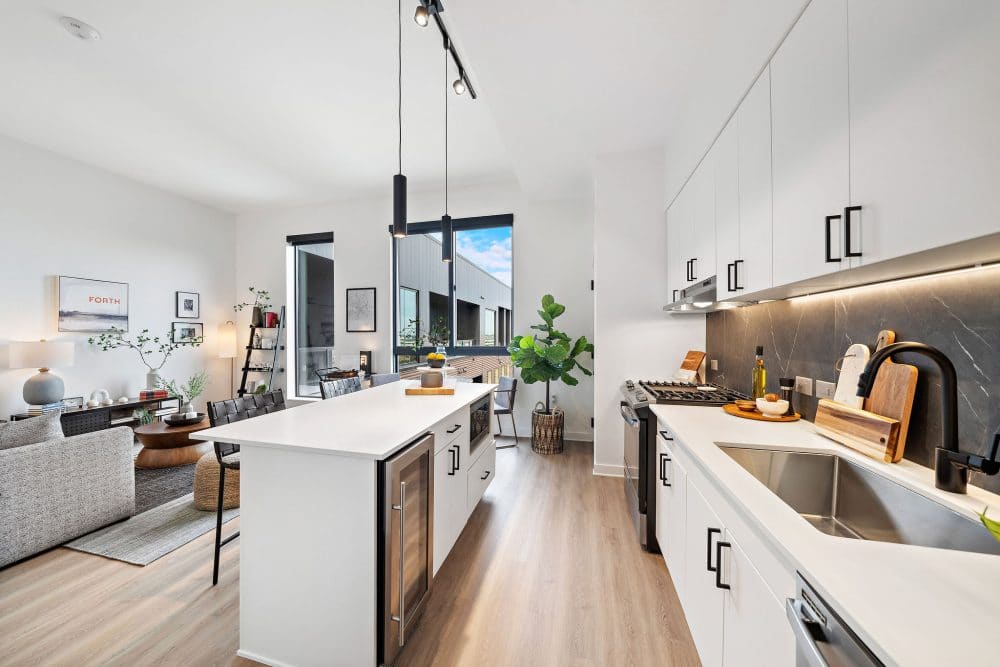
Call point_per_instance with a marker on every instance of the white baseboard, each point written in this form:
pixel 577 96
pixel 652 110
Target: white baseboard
pixel 605 470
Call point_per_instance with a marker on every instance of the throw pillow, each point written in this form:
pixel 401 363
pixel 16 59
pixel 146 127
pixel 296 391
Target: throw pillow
pixel 30 431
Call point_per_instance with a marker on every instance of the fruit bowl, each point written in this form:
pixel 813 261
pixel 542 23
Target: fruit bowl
pixel 772 408
pixel 435 363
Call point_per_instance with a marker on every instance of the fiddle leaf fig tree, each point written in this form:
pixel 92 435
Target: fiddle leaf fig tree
pixel 549 355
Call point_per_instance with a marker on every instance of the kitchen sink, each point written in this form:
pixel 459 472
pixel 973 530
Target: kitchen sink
pixel 839 497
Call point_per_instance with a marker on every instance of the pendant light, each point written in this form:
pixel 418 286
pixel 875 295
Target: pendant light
pixel 399 180
pixel 447 232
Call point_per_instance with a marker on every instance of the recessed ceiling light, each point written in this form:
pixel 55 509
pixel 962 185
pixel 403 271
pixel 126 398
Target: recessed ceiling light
pixel 79 29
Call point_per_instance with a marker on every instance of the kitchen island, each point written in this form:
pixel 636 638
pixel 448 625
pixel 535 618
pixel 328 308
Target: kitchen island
pixel 313 536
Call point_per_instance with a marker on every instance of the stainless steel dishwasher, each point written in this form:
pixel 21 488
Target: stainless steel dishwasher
pixel 822 639
pixel 405 543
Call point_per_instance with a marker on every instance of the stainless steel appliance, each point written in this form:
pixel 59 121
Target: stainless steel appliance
pixel 703 297
pixel 821 637
pixel 479 422
pixel 640 442
pixel 405 543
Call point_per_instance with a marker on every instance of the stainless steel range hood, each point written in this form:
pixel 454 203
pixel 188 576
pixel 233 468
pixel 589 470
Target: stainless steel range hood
pixel 701 297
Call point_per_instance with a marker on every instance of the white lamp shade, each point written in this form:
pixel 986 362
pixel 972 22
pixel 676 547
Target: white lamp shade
pixel 227 340
pixel 41 354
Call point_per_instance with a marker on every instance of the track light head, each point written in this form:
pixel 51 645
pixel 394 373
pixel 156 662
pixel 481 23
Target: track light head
pixel 422 16
pixel 459 86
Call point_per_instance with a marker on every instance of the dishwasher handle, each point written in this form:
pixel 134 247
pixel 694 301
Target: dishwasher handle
pixel 801 621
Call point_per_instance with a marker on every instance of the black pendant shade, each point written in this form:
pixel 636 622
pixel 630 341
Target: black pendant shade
pixel 447 239
pixel 399 206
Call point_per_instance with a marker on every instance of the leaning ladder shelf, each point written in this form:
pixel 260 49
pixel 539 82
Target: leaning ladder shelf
pixel 248 363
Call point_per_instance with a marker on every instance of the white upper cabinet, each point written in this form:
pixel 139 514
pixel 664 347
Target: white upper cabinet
pixel 925 123
pixel 727 210
pixel 810 145
pixel 701 234
pixel 677 224
pixel 753 272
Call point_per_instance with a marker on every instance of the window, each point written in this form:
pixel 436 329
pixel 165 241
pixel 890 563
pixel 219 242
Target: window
pixel 310 319
pixel 465 304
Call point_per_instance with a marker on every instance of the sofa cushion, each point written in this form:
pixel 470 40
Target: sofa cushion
pixel 30 431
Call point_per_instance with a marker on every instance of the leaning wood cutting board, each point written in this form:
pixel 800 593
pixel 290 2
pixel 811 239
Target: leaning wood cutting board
pixel 872 435
pixel 892 393
pixel 691 366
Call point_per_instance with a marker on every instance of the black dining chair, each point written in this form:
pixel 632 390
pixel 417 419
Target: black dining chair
pixel 228 454
pixel 503 404
pixel 378 379
pixel 334 388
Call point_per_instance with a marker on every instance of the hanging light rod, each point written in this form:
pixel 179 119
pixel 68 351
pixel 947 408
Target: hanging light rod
pixel 428 9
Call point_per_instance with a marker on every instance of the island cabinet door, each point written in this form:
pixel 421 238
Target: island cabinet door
pixel 449 501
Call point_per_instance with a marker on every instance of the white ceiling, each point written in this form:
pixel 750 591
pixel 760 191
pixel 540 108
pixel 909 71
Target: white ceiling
pixel 247 104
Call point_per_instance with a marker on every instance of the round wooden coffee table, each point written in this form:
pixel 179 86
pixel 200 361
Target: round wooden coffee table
pixel 166 446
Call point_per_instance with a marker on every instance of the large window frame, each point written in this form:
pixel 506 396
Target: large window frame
pixel 433 227
pixel 292 315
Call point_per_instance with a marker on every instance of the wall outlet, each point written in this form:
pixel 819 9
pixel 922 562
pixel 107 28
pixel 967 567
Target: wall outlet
pixel 825 389
pixel 714 365
pixel 803 385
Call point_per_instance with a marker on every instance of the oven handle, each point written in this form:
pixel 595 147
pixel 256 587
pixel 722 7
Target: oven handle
pixel 401 619
pixel 800 620
pixel 628 414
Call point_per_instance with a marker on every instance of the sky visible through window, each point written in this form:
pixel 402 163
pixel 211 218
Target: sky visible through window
pixel 489 249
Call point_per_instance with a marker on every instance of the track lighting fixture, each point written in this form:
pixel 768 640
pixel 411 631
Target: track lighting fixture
pixel 422 16
pixel 426 9
pixel 459 85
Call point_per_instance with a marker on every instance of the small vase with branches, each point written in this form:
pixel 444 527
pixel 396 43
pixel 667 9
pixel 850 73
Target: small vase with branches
pixel 261 302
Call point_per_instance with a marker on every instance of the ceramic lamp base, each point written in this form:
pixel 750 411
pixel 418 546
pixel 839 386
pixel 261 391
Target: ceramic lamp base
pixel 44 388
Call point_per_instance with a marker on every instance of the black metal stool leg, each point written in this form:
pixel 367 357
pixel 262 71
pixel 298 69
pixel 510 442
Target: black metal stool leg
pixel 514 425
pixel 499 425
pixel 218 524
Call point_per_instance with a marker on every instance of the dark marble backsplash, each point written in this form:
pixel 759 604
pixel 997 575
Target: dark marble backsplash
pixel 958 313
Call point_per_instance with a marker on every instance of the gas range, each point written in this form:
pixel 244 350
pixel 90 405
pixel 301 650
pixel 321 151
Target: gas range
pixel 669 392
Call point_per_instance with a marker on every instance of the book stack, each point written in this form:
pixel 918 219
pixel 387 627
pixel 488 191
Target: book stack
pixel 153 394
pixel 45 409
pixel 162 411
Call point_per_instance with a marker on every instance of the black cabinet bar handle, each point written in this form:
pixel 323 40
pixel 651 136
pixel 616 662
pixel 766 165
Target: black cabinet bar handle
pixel 452 430
pixel 675 296
pixel 847 231
pixel 694 274
pixel 666 435
pixel 689 269
pixel 663 469
pixel 485 475
pixel 458 457
pixel 718 563
pixel 829 231
pixel 736 274
pixel 454 465
pixel 729 277
pixel 708 557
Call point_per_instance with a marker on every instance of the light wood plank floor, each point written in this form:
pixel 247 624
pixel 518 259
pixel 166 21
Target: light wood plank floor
pixel 547 572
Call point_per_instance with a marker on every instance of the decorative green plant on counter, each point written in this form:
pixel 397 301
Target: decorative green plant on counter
pixel 189 391
pixel 261 299
pixel 550 355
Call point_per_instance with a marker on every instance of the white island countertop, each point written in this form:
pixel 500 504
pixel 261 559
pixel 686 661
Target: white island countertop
pixel 911 605
pixel 371 423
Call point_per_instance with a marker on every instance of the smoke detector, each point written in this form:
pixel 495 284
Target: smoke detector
pixel 78 28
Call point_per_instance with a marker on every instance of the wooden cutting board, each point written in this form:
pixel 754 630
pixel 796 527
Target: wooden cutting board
pixel 892 393
pixel 691 366
pixel 871 434
pixel 430 391
pixel 757 415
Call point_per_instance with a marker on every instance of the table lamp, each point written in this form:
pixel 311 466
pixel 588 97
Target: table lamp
pixel 45 387
pixel 227 348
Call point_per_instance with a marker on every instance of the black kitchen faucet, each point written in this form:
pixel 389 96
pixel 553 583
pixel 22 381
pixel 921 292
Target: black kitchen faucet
pixel 951 466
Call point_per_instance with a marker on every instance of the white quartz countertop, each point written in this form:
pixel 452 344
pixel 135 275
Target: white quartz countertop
pixel 911 605
pixel 372 423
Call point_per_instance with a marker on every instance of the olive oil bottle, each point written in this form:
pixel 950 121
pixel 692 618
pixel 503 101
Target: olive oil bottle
pixel 759 380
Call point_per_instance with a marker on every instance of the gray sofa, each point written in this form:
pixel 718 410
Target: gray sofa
pixel 58 489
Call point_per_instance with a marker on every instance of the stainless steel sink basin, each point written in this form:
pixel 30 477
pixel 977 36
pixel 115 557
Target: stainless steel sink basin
pixel 839 497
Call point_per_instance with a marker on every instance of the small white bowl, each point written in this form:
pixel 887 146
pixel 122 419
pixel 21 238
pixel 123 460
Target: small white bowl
pixel 772 409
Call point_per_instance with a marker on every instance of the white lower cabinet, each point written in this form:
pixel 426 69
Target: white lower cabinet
pixel 481 473
pixel 734 617
pixel 451 492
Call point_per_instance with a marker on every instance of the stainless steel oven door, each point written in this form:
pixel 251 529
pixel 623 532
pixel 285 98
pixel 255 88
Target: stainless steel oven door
pixel 408 525
pixel 632 453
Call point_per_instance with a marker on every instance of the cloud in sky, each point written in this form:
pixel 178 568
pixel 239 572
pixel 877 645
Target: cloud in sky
pixel 489 249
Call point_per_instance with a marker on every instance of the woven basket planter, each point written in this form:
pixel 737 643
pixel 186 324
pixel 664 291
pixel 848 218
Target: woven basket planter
pixel 206 485
pixel 547 431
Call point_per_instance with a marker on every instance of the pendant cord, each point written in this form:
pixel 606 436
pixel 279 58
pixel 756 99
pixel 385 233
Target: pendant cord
pixel 446 128
pixel 399 51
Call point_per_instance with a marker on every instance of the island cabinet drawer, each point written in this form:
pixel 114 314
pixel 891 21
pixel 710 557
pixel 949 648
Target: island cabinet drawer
pixel 481 473
pixel 450 428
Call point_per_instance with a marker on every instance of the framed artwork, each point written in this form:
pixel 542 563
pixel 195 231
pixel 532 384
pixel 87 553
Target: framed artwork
pixel 361 309
pixel 187 332
pixel 87 305
pixel 189 305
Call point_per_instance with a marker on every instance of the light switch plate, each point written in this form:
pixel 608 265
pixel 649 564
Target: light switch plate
pixel 825 389
pixel 803 385
pixel 715 364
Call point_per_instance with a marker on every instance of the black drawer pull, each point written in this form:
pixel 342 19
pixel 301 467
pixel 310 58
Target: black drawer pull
pixel 675 297
pixel 729 277
pixel 452 430
pixel 663 469
pixel 829 232
pixel 708 558
pixel 454 460
pixel 485 475
pixel 847 231
pixel 736 275
pixel 718 563
pixel 666 436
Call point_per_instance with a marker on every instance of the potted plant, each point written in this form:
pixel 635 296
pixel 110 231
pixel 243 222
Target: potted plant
pixel 548 356
pixel 189 392
pixel 438 336
pixel 152 350
pixel 261 301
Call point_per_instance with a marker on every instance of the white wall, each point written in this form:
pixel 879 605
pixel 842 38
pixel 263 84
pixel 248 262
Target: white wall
pixel 635 339
pixel 552 253
pixel 61 217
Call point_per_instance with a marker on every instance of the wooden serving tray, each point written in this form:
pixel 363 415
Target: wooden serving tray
pixel 731 409
pixel 433 391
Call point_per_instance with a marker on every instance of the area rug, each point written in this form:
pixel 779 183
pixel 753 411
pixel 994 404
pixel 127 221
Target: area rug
pixel 157 486
pixel 153 534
